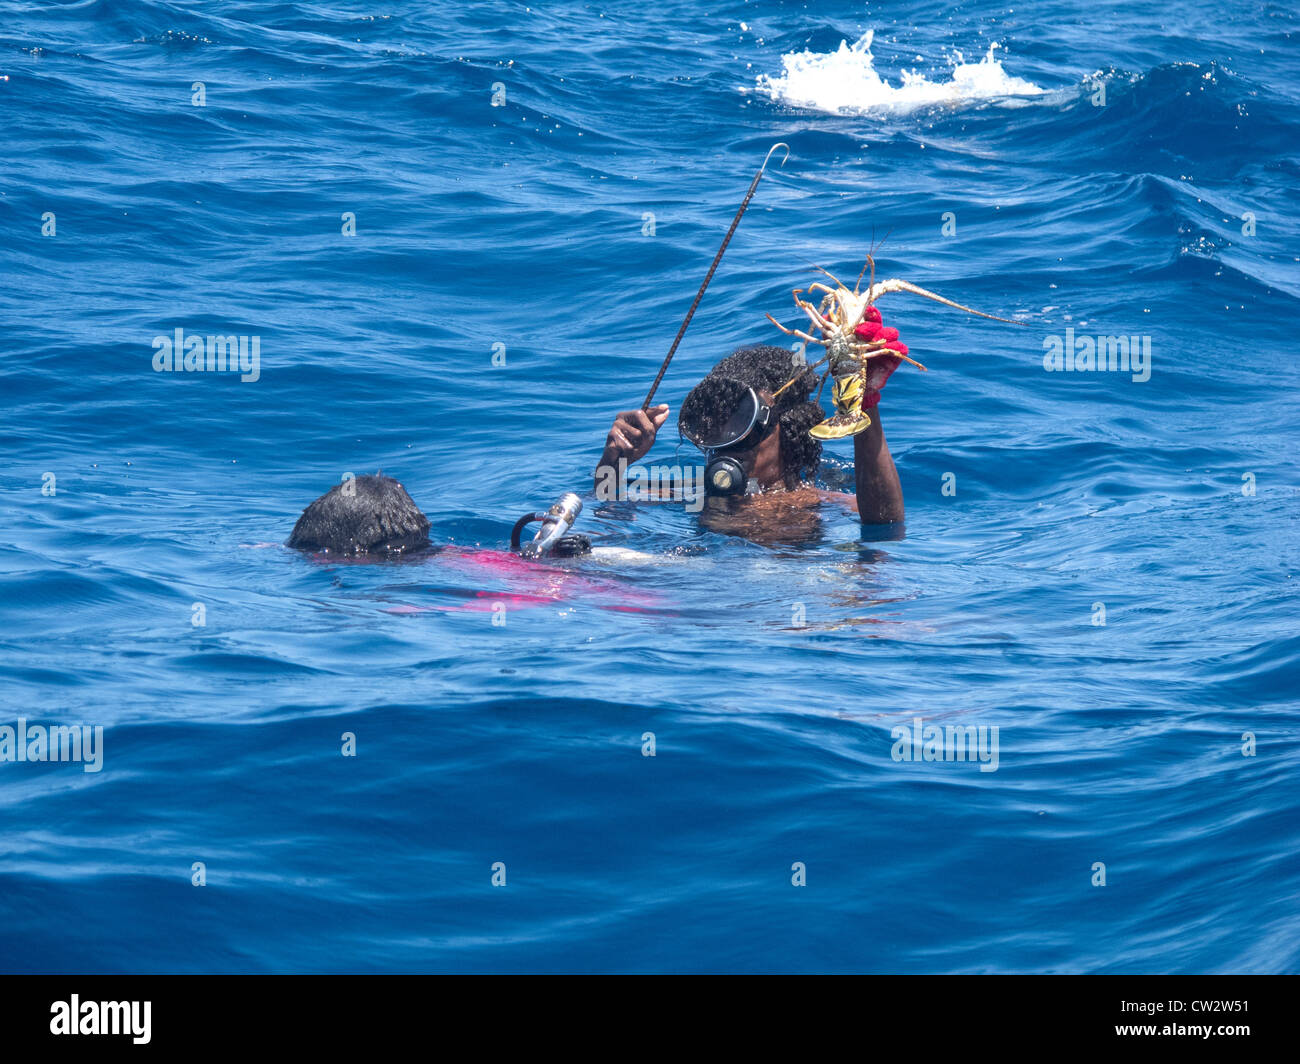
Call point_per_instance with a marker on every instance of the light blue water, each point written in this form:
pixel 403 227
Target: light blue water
pixel 771 677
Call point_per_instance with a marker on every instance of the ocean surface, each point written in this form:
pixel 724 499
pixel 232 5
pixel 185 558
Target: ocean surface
pixel 462 237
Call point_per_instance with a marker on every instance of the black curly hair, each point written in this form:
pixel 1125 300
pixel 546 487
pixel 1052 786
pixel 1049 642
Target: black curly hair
pixel 366 515
pixel 762 366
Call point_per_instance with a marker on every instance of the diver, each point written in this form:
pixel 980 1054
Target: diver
pixel 369 514
pixel 760 458
pixel 374 515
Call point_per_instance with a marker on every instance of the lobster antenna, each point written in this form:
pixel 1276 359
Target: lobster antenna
pixel 709 276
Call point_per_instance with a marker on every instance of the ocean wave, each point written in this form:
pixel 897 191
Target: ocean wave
pixel 846 81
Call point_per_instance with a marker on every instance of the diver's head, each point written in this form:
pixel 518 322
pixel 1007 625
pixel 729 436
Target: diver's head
pixel 746 432
pixel 363 515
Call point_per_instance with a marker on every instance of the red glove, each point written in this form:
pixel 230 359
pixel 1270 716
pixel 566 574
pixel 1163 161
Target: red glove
pixel 879 367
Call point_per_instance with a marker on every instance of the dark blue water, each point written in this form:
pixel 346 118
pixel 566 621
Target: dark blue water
pixel 1100 171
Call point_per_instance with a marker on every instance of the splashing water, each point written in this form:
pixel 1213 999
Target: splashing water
pixel 846 81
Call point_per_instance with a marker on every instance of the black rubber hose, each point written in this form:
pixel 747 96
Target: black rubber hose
pixel 527 519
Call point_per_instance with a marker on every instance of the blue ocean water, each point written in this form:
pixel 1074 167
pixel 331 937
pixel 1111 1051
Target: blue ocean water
pixel 548 184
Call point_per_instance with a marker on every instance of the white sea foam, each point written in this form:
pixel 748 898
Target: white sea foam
pixel 846 82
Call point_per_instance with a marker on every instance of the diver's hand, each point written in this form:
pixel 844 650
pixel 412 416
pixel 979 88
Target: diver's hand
pixel 879 367
pixel 633 434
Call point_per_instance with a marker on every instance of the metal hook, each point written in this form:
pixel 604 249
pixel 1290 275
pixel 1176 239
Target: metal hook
pixel 778 144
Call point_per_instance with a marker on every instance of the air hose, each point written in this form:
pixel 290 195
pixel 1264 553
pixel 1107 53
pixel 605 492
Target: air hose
pixel 550 538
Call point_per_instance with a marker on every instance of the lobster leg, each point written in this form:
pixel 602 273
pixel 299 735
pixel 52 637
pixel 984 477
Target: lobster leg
pixel 820 362
pixel 832 276
pixel 883 351
pixel 794 332
pixel 814 315
pixel 896 285
pixel 821 387
pixel 870 262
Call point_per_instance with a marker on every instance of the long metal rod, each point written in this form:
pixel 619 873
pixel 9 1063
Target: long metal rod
pixel 709 276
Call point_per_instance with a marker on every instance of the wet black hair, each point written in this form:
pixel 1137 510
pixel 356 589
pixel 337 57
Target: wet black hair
pixel 762 367
pixel 371 514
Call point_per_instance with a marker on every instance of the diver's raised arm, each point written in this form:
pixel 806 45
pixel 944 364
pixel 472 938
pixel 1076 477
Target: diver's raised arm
pixel 880 494
pixel 630 438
